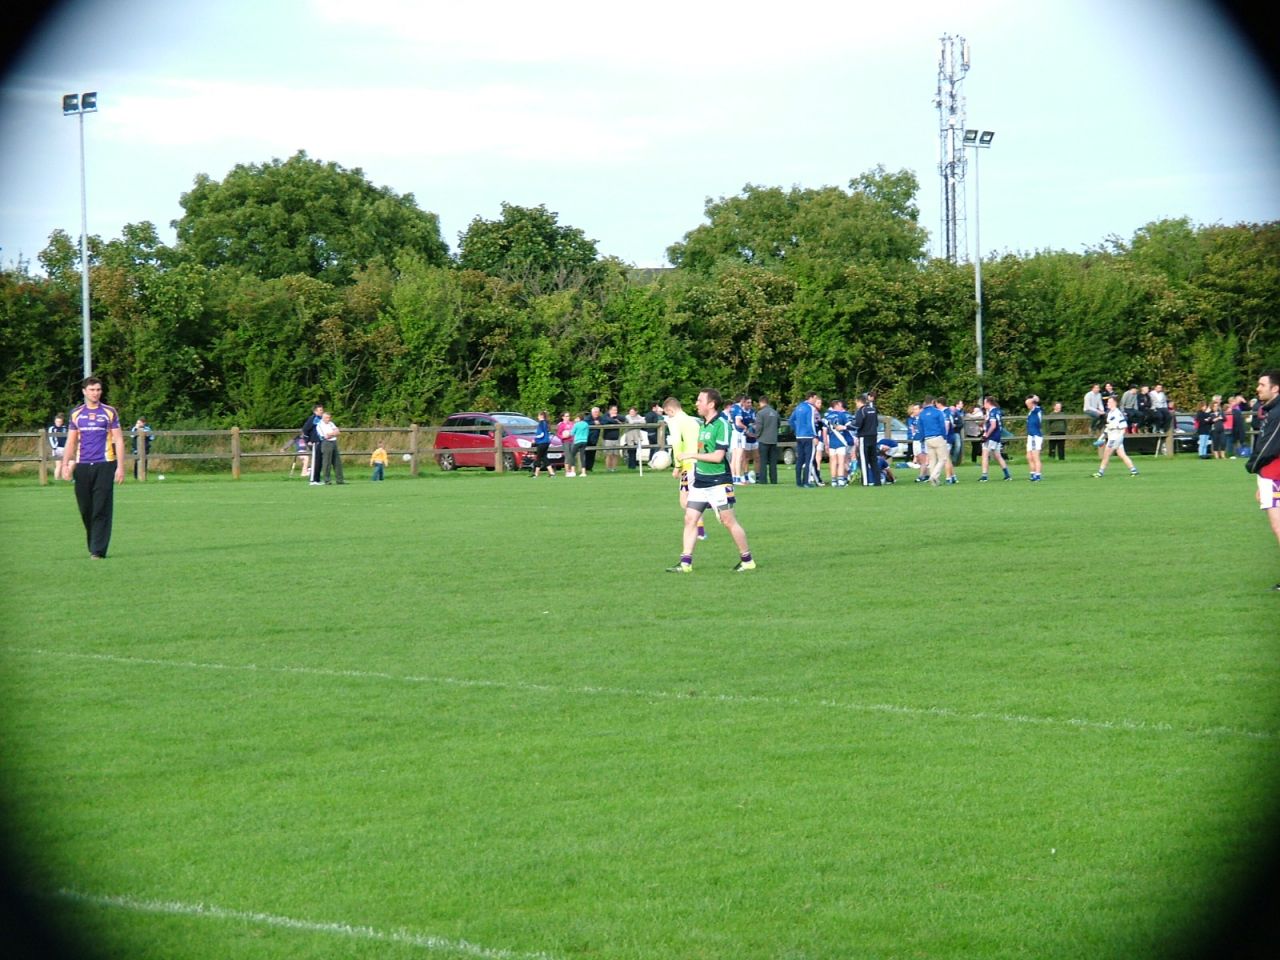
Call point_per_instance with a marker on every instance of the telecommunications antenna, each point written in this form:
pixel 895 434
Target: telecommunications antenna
pixel 953 64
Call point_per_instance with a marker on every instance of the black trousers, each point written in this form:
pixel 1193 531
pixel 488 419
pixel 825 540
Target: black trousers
pixel 1057 449
pixel 804 460
pixel 870 462
pixel 95 496
pixel 768 463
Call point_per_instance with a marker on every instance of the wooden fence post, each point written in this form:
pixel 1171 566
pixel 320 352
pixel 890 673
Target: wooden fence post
pixel 43 446
pixel 143 441
pixel 235 453
pixel 413 449
pixel 498 465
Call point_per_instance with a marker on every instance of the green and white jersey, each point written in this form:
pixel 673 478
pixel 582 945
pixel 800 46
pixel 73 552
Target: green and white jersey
pixel 714 435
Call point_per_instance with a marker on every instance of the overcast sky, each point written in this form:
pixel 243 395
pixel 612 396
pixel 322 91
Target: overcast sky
pixel 625 118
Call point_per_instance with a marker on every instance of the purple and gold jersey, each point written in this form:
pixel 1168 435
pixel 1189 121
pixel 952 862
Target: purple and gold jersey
pixel 94 425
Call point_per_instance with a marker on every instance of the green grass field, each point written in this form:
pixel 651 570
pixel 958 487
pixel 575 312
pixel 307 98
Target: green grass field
pixel 470 716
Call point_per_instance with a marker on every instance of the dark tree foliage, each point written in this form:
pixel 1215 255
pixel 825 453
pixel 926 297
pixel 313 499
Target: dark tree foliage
pixel 301 216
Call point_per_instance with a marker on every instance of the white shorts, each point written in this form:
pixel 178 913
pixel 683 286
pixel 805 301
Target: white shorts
pixel 994 445
pixel 752 445
pixel 1115 443
pixel 1268 493
pixel 1034 444
pixel 719 497
pixel 737 440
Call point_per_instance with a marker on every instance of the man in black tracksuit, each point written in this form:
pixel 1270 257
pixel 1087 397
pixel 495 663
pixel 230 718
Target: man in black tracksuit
pixel 866 426
pixel 1264 463
pixel 309 434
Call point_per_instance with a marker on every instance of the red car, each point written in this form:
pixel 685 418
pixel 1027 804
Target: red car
pixel 466 440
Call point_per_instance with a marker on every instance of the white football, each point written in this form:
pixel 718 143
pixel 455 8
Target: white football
pixel 660 460
pixel 407 457
pixel 162 476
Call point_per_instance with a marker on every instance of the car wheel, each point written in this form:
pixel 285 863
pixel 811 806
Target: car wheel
pixel 788 456
pixel 445 460
pixel 509 462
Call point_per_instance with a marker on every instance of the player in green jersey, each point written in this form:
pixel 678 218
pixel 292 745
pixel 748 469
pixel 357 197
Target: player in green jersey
pixel 712 485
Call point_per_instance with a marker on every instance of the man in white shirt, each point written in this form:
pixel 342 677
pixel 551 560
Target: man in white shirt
pixel 330 458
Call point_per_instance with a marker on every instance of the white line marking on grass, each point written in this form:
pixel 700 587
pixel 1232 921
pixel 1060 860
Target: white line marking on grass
pixel 1137 726
pixel 423 941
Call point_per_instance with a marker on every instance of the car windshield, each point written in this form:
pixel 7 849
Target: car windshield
pixel 515 423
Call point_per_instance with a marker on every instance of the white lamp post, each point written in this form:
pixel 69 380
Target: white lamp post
pixel 979 142
pixel 79 105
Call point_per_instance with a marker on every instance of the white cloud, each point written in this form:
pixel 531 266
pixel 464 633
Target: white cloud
pixel 513 122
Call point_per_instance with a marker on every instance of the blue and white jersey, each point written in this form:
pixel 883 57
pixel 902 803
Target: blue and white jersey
pixel 995 425
pixel 1034 422
pixel 733 412
pixel 542 432
pixel 913 427
pixel 949 417
pixel 838 439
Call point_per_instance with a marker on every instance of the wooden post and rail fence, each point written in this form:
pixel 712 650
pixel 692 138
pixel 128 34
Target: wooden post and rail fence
pixel 237 445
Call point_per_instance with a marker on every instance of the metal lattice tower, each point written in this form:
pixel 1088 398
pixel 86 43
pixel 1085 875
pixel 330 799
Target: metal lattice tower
pixel 953 64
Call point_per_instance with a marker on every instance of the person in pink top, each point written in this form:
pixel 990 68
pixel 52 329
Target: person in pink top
pixel 95 459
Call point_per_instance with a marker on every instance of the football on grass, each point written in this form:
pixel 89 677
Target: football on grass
pixel 660 460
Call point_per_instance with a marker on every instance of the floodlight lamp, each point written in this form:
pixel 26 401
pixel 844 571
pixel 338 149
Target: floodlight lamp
pixel 983 141
pixel 70 103
pixel 89 101
pixel 970 136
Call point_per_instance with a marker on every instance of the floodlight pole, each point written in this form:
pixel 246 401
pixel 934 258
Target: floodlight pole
pixel 85 103
pixel 978 143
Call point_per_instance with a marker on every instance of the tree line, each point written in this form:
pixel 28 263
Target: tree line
pixel 298 281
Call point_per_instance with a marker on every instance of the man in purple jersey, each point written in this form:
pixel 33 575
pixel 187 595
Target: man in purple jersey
pixel 95 459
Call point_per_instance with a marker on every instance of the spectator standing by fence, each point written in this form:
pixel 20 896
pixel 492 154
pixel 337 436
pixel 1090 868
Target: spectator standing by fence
pixel 636 438
pixel 141 435
pixel 581 440
pixel 1204 429
pixel 1264 461
pixel 330 455
pixel 1218 428
pixel 312 438
pixel 57 433
pixel 542 444
pixel 94 457
pixel 1056 426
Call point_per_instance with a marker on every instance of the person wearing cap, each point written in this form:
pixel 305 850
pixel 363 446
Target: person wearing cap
pixel 95 459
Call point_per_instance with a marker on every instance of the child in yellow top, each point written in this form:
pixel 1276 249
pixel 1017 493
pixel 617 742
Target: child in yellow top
pixel 378 460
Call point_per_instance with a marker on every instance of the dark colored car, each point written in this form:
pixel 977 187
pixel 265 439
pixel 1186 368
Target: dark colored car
pixel 466 440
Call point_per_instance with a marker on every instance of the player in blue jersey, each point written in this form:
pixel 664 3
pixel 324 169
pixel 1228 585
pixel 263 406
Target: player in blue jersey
pixel 94 457
pixel 993 438
pixel 1035 437
pixel 839 442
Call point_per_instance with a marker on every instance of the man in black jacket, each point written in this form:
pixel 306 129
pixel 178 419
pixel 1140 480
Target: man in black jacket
pixel 1264 463
pixel 866 426
pixel 308 430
